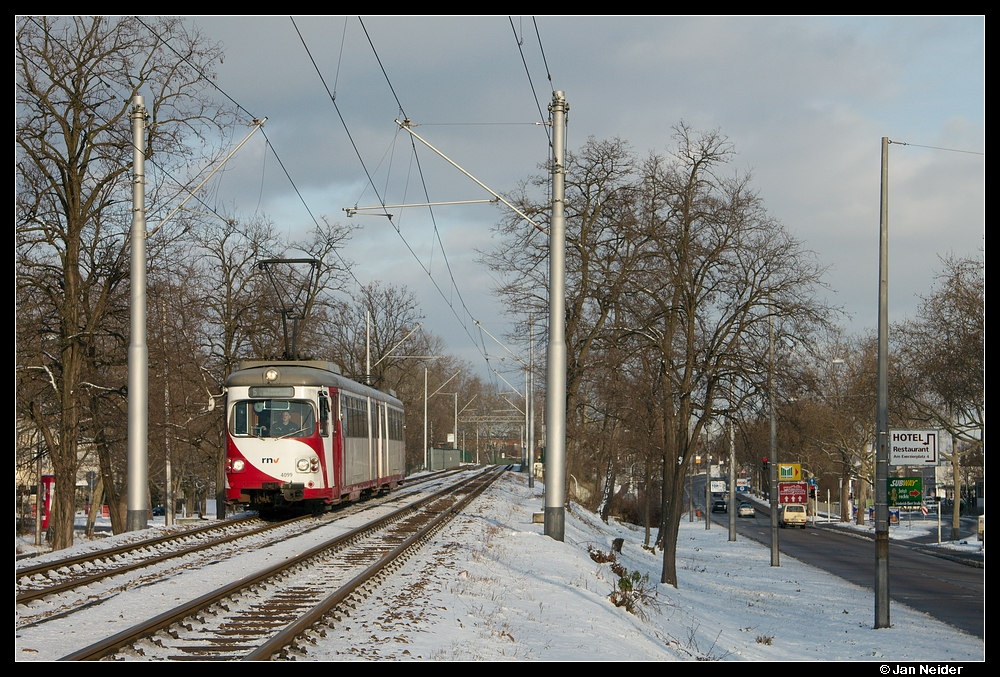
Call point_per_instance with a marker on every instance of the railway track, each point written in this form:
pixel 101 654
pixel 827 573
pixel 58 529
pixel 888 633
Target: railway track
pixel 258 617
pixel 42 580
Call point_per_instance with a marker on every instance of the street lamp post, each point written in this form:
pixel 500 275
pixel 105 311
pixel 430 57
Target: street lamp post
pixel 416 357
pixel 427 397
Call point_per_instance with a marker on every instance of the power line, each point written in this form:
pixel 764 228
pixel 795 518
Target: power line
pixel 437 234
pixel 950 150
pixel 541 49
pixel 531 84
pixel 126 138
pixel 386 75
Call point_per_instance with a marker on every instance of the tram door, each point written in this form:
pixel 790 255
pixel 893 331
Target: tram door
pixel 328 422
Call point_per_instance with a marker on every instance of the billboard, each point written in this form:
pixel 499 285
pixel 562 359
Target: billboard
pixel 793 492
pixel 906 491
pixel 913 447
pixel 789 472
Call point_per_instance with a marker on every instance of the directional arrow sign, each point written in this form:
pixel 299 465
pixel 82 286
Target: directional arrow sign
pixel 906 491
pixel 793 492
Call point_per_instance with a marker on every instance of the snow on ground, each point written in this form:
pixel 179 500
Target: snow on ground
pixel 496 589
pixel 491 587
pixel 916 528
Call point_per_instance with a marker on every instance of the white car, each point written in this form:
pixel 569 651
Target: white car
pixel 746 510
pixel 792 515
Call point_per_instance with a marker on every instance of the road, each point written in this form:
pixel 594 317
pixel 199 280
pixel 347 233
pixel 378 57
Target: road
pixel 947 590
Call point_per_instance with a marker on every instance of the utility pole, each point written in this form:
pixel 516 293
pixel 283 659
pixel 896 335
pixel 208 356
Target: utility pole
pixel 530 405
pixel 555 396
pixel 138 351
pixel 425 419
pixel 168 477
pixel 773 489
pixel 732 467
pixel 882 407
pixel 708 492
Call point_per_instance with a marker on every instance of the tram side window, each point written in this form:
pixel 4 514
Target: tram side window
pixel 356 410
pixel 324 416
pixel 395 425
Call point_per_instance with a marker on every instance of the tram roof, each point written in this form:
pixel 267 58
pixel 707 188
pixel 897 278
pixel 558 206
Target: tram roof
pixel 300 373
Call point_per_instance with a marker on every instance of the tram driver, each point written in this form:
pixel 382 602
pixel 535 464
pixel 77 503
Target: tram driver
pixel 285 426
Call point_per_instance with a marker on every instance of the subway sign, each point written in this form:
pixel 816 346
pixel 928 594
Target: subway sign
pixel 906 491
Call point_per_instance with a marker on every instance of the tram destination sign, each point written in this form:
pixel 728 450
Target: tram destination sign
pixel 913 447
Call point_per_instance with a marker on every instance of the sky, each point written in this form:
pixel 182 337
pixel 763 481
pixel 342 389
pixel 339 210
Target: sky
pixel 490 586
pixel 805 101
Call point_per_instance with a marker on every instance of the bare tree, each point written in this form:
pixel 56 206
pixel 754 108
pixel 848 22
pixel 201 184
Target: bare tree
pixel 717 269
pixel 74 81
pixel 942 363
pixel 233 286
pixel 600 203
pixel 392 314
pixel 674 269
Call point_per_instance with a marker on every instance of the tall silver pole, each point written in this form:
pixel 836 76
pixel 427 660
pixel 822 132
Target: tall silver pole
pixel 454 443
pixel 138 352
pixel 732 468
pixel 425 419
pixel 775 558
pixel 527 413
pixel 882 407
pixel 368 347
pixel 168 477
pixel 555 395
pixel 531 400
pixel 708 491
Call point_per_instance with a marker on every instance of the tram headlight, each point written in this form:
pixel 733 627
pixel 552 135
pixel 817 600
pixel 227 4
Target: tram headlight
pixel 302 465
pixel 238 465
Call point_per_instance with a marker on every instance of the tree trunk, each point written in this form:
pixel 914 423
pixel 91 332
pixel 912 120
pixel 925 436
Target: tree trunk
pixel 61 517
pixel 674 475
pixel 648 501
pixel 862 501
pixel 609 490
pixel 956 506
pixel 845 501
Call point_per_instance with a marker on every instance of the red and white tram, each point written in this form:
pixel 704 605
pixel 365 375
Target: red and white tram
pixel 300 435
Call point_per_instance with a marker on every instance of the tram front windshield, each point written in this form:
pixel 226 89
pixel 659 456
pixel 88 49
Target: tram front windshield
pixel 272 418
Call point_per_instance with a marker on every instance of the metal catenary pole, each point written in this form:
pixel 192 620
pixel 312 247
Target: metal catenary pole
pixel 138 351
pixel 555 397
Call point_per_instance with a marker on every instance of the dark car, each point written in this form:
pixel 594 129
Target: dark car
pixel 720 506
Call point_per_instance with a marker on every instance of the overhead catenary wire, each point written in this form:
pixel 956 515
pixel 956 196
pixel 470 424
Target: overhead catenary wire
pixel 949 150
pixel 333 100
pixel 454 285
pixel 125 137
pixel 541 48
pixel 378 195
pixel 345 265
pixel 439 240
pixel 534 94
